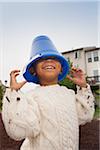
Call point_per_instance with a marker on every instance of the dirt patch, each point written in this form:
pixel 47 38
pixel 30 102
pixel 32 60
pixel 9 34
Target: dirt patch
pixel 6 143
pixel 89 137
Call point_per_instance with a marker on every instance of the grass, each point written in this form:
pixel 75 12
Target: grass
pixel 97 113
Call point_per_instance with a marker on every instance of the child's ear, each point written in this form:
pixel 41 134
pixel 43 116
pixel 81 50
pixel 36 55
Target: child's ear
pixel 61 71
pixel 32 71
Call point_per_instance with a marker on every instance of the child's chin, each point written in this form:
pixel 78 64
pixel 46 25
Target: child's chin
pixel 50 76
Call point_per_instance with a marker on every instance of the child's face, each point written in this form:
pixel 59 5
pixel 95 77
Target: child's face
pixel 48 69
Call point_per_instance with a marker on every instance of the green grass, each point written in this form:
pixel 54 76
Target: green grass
pixel 97 113
pixel 97 91
pixel 97 97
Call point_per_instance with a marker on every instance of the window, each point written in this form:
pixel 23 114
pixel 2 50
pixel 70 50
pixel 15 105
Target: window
pixel 95 72
pixel 89 55
pixel 77 54
pixel 89 59
pixel 96 75
pixel 95 55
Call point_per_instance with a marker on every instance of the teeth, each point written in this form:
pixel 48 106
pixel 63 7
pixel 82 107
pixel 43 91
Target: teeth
pixel 49 67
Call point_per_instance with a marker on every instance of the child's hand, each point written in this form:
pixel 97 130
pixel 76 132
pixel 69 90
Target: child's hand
pixel 77 76
pixel 13 82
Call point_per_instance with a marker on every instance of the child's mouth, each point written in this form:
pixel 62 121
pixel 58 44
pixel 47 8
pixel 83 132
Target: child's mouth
pixel 49 67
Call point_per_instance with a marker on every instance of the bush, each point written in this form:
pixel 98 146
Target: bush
pixel 2 91
pixel 69 84
pixel 66 82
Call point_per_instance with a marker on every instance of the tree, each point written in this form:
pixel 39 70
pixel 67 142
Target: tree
pixel 66 82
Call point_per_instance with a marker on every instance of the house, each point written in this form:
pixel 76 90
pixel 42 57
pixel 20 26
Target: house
pixel 87 58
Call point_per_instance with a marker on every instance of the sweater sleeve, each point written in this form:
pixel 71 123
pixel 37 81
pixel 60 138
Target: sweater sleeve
pixel 20 115
pixel 84 104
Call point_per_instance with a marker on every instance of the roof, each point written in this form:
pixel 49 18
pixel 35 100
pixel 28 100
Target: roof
pixel 86 49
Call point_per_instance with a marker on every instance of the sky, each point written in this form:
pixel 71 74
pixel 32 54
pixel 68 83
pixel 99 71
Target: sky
pixel 69 24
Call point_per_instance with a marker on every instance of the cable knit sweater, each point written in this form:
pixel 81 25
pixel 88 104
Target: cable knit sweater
pixel 48 117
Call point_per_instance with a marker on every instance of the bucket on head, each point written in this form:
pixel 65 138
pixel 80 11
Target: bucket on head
pixel 43 47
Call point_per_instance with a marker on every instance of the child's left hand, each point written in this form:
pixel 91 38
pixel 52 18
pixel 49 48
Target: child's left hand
pixel 78 77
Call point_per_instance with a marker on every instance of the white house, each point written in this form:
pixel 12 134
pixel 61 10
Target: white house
pixel 88 59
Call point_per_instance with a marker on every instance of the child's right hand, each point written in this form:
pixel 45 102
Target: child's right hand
pixel 14 85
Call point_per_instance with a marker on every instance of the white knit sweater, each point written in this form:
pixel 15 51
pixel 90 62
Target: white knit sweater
pixel 47 117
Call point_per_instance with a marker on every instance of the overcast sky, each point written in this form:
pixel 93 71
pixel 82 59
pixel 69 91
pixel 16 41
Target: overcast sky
pixel 70 25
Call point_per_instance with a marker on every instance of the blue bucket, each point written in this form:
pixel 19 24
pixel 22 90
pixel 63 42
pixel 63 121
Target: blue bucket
pixel 43 47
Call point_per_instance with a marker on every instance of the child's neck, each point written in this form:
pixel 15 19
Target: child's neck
pixel 47 83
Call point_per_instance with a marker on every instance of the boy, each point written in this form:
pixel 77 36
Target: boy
pixel 48 117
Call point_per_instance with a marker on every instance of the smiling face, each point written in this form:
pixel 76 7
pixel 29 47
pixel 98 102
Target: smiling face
pixel 48 70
